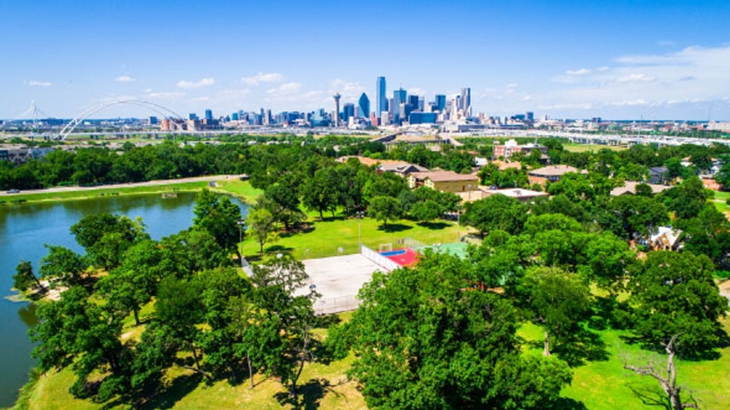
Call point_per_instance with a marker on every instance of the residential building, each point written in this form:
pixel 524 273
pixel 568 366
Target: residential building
pixel 444 181
pixel 629 188
pixel 522 195
pixel 551 173
pixel 658 175
pixel 511 147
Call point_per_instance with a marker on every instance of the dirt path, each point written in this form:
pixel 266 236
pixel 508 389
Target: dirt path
pixel 148 183
pixel 725 289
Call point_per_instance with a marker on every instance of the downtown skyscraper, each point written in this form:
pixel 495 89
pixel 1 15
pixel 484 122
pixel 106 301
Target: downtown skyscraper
pixel 381 101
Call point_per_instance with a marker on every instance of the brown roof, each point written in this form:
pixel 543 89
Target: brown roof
pixel 441 176
pixel 552 170
pixel 630 188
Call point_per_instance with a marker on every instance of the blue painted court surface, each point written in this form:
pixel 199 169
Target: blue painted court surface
pixel 394 253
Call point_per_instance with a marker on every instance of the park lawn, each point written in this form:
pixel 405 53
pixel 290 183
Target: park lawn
pixel 573 147
pixel 603 385
pixel 325 238
pixel 320 385
pixel 240 189
pixel 720 200
pixel 105 192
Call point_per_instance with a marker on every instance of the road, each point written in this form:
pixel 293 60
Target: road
pixel 148 183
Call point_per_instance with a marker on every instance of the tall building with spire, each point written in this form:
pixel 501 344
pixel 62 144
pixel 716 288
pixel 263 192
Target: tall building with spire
pixel 337 109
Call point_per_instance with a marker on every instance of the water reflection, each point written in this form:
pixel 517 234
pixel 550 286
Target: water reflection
pixel 27 315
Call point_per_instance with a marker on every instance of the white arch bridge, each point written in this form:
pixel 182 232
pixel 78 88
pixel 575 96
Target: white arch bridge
pixel 157 108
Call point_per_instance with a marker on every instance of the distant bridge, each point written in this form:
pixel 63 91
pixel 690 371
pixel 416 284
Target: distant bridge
pixel 157 108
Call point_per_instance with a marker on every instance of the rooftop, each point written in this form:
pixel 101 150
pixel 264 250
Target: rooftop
pixel 554 170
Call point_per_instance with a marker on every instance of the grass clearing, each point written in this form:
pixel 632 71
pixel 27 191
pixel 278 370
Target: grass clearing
pixel 574 147
pixel 104 192
pixel 325 238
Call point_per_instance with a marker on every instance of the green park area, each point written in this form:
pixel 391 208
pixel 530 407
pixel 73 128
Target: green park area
pixel 600 384
pixel 574 147
pixel 85 193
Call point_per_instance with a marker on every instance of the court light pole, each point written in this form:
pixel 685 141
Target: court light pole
pixel 359 215
pixel 458 223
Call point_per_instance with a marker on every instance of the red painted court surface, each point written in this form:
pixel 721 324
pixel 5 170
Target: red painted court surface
pixel 403 257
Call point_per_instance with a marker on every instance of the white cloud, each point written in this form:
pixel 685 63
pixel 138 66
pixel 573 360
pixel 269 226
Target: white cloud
pixel 263 78
pixel 200 99
pixel 124 79
pixel 582 71
pixel 694 75
pixel 635 78
pixel 35 83
pixel 168 95
pixel 195 84
pixel 350 90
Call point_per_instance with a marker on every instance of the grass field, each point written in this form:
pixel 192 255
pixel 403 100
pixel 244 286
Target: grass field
pixel 591 147
pixel 98 193
pixel 604 384
pixel 720 200
pixel 325 238
pixel 599 385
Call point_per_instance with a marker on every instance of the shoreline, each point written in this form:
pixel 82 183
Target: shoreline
pixel 139 188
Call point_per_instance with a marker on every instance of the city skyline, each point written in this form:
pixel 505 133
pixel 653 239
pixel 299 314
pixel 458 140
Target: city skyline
pixel 657 60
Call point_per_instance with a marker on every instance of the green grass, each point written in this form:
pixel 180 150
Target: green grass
pixel 324 238
pixel 720 200
pixel 241 189
pixel 323 386
pixel 604 385
pixel 572 147
pixel 104 192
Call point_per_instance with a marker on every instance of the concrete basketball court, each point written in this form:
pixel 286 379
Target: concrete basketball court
pixel 339 276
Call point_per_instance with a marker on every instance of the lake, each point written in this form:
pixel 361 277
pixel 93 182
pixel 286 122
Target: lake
pixel 23 231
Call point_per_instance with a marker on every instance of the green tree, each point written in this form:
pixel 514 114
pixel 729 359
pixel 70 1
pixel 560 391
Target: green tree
pixel 675 294
pixel 190 251
pixel 282 200
pixel 106 237
pixel 422 342
pixel 262 226
pixel 24 277
pixel 677 309
pixel 219 216
pixel 62 265
pixel 426 211
pixel 134 283
pixel 495 212
pixel 319 193
pixel 384 208
pixel 686 199
pixel 559 302
pixel 74 331
pixel 278 293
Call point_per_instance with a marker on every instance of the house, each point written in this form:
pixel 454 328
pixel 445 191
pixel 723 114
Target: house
pixel 665 239
pixel 401 168
pixel 444 181
pixel 522 195
pixel 658 175
pixel 511 147
pixel 550 173
pixel 629 188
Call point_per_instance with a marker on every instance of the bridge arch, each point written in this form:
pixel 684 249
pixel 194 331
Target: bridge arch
pixel 157 108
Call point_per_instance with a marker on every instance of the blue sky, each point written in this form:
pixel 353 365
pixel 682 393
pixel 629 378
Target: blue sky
pixel 578 59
